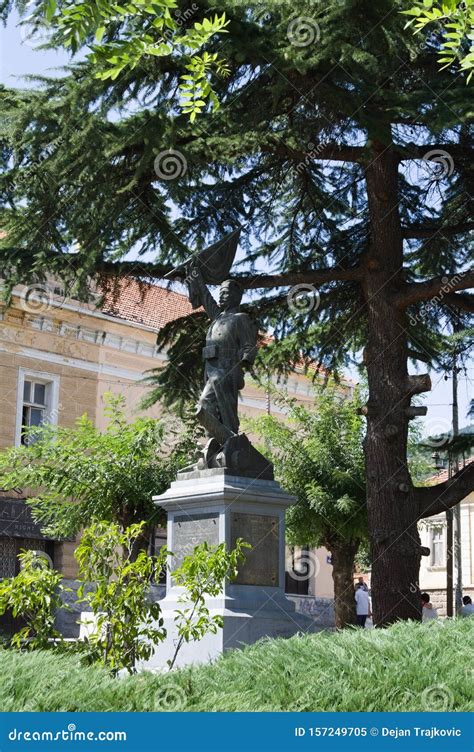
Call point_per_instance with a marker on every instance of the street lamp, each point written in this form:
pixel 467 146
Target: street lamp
pixel 438 460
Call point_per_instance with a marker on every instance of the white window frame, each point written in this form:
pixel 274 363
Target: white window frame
pixel 440 528
pixel 51 381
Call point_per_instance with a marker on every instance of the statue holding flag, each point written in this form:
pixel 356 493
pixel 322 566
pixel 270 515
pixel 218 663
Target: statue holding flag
pixel 231 347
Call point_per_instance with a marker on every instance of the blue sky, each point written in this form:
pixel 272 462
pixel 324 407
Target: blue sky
pixel 19 58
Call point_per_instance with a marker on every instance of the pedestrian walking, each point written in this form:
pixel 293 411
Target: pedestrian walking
pixel 362 605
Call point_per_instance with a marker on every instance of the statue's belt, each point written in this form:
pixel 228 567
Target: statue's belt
pixel 216 351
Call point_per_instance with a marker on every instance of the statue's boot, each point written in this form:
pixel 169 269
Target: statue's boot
pixel 210 451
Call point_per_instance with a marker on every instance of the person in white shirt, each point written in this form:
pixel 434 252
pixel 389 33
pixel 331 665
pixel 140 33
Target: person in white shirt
pixel 428 611
pixel 362 605
pixel 468 607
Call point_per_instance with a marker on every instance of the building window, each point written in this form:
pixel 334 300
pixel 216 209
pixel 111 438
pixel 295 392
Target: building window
pixel 34 407
pixel 297 578
pixel 437 547
pixel 37 402
pixel 8 560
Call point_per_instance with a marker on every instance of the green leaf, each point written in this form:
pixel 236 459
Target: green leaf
pixel 50 10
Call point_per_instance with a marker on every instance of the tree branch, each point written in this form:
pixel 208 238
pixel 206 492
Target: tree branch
pixel 433 500
pixel 435 289
pixel 321 151
pixel 147 270
pixel 312 277
pixel 247 281
pixel 427 231
pixel 434 152
pixel 458 300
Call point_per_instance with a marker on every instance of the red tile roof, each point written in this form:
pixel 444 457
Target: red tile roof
pixel 144 303
pixel 444 474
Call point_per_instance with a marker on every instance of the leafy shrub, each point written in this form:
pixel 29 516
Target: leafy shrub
pixel 127 623
pixel 34 595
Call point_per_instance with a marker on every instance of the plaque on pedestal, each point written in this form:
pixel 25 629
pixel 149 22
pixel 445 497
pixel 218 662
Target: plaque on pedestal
pixel 189 530
pixel 262 531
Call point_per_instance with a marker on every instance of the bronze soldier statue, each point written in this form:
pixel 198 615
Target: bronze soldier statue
pixel 231 347
pixel 230 350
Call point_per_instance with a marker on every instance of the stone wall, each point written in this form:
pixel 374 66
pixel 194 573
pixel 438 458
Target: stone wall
pixel 438 598
pixel 67 619
pixel 319 609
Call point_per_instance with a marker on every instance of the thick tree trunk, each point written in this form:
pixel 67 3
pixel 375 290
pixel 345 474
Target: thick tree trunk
pixel 391 503
pixel 343 556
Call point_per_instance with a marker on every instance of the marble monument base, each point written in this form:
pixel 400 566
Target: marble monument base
pixel 216 506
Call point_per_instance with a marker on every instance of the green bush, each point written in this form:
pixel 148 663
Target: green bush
pixel 127 624
pixel 410 666
pixel 34 596
pixel 202 575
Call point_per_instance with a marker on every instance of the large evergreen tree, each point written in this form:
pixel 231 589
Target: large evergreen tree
pixel 346 156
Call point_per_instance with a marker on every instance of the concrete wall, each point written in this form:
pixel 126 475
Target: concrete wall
pixel 321 610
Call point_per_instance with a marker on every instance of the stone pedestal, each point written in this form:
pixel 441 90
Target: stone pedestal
pixel 216 506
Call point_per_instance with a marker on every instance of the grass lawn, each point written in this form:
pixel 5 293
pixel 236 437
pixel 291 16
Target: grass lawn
pixel 410 666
